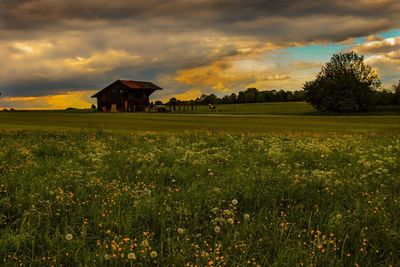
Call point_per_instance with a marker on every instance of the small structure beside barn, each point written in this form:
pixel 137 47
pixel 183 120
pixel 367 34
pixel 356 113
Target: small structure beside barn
pixel 125 95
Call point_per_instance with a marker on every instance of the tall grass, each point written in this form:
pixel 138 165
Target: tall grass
pixel 76 199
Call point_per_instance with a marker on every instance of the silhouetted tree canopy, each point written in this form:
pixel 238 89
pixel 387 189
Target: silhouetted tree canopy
pixel 250 95
pixel 173 102
pixel 345 84
pixel 396 89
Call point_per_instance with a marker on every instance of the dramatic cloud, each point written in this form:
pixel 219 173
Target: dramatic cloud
pixel 384 55
pixel 379 45
pixel 51 47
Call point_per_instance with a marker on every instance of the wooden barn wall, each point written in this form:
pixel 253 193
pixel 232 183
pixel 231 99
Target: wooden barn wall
pixel 126 99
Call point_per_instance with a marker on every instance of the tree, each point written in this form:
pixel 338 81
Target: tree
pixel 260 98
pixel 345 84
pixel 208 99
pixel 172 103
pixel 396 89
pixel 250 97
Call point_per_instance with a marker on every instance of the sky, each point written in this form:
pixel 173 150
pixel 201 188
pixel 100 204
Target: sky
pixel 57 53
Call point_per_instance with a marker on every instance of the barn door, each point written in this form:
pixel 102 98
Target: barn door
pixel 114 108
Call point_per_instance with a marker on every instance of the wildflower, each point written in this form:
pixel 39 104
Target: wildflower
pixel 181 230
pixel 69 237
pixel 131 256
pixel 107 257
pixel 153 254
pixel 234 201
pixel 228 213
pixel 247 216
pixel 217 229
pixel 145 243
pixel 339 216
pixel 230 221
pixel 215 210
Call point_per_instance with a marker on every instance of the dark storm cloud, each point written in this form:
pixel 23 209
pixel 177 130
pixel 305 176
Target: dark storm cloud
pixel 225 15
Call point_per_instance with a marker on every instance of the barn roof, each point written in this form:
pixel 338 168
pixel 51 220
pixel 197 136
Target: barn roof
pixel 133 85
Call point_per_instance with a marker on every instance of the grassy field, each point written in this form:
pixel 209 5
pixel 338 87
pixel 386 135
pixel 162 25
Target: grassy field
pixel 128 122
pixel 197 199
pixel 102 189
pixel 278 108
pixel 288 108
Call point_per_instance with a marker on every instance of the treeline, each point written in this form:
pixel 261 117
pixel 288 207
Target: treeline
pixel 388 97
pixel 251 95
pixel 384 97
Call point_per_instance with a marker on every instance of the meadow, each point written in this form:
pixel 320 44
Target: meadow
pixel 270 108
pixel 192 190
pixel 179 123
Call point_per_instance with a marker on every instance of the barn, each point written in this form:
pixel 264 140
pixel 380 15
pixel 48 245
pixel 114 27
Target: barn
pixel 125 95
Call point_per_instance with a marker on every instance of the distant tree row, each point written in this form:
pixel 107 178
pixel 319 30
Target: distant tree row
pixel 251 95
pixel 388 97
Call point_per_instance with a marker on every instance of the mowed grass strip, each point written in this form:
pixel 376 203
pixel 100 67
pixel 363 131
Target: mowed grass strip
pixel 128 122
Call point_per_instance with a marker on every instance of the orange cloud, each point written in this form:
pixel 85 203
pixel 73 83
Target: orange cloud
pixel 187 95
pixel 229 74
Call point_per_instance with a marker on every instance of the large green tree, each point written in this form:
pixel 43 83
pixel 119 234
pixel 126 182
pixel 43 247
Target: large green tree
pixel 345 84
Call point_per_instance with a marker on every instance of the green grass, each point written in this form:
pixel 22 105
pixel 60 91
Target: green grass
pixel 284 108
pixel 279 108
pixel 89 189
pixel 128 122
pixel 271 199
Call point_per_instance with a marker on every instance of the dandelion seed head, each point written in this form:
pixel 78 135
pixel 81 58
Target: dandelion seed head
pixel 145 243
pixel 132 256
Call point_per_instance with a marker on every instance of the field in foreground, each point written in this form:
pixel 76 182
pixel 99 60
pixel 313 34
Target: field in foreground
pixel 142 199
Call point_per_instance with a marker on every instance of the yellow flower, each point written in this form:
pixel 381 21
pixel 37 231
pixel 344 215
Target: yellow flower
pixel 230 221
pixel 131 256
pixel 69 237
pixel 217 229
pixel 247 216
pixel 153 254
pixel 234 201
pixel 181 230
